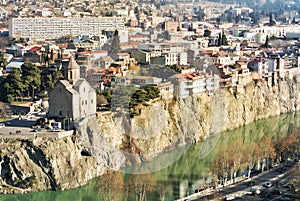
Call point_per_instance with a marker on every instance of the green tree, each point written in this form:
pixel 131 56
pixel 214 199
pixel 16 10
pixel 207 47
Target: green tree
pixel 115 45
pixel 31 76
pixel 220 39
pixel 207 33
pixel 3 61
pixel 267 42
pixel 13 86
pixel 224 39
pixel 141 96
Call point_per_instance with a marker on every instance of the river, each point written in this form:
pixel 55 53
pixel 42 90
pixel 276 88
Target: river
pixel 191 164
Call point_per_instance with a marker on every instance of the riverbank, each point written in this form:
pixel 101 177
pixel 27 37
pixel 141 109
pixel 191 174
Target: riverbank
pixel 190 169
pixel 117 142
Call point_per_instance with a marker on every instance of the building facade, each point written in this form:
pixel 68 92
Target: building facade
pixel 52 28
pixel 72 98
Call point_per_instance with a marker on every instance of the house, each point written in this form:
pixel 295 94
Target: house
pixel 13 65
pixel 139 81
pixel 189 84
pixel 103 62
pixel 72 98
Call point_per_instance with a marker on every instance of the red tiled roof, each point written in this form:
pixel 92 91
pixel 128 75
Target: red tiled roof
pixel 35 49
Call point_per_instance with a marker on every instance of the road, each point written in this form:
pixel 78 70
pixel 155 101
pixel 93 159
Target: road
pixel 242 190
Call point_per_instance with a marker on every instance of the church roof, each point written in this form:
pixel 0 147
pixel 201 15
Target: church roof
pixel 79 82
pixel 68 86
pixel 73 64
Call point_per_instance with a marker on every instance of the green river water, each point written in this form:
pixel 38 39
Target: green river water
pixel 191 166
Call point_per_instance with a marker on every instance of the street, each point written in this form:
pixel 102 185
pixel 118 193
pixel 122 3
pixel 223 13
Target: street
pixel 278 190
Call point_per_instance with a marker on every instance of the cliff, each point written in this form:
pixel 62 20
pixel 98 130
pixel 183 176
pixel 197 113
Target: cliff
pixel 115 141
pixel 41 164
pixel 118 141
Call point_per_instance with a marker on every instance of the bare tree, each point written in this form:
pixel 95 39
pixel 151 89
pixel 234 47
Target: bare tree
pixel 235 153
pixel 267 150
pixel 251 156
pixel 141 184
pixel 162 190
pixel 285 146
pixel 220 165
pixel 110 185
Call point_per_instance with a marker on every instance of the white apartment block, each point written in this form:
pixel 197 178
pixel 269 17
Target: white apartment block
pixel 278 31
pixel 51 28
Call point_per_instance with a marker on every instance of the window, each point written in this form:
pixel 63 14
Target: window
pixel 60 113
pixel 82 102
pixel 91 101
pixel 86 102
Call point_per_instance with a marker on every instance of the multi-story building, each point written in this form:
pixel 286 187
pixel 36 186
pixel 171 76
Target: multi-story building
pixel 189 84
pixel 51 28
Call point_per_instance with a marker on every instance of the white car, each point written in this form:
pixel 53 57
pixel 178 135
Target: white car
pixel 268 185
pixel 55 130
pixel 2 125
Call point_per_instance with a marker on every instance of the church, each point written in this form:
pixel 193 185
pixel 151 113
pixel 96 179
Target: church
pixel 72 98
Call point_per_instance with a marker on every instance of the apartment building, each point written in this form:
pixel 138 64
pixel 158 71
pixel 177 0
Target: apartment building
pixel 52 28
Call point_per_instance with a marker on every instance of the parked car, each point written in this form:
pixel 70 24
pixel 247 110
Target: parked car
pixel 255 191
pixel 36 129
pixel 229 197
pixel 2 125
pixel 268 185
pixel 55 129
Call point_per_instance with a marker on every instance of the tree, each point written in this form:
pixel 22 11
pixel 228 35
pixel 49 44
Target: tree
pixel 115 45
pixel 48 81
pixel 220 165
pixel 207 33
pixel 31 76
pixel 224 39
pixel 13 86
pixel 266 45
pixel 3 60
pixel 200 15
pixel 141 185
pixel 110 185
pixel 284 146
pixel 251 156
pixel 141 96
pixel 235 153
pixel 136 10
pixel 267 150
pixel 220 39
pixel 162 190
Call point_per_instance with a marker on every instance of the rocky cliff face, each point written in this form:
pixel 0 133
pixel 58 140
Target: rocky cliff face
pixel 41 164
pixel 118 141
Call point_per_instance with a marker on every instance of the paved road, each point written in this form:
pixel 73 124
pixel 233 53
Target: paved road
pixel 241 191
